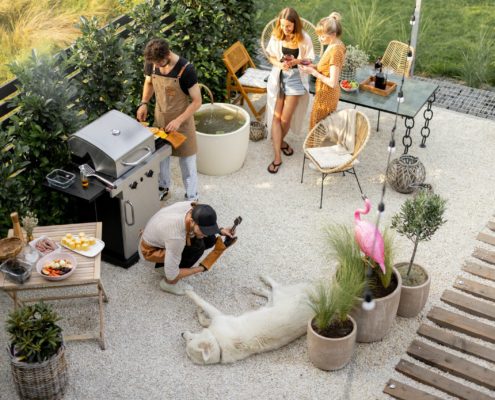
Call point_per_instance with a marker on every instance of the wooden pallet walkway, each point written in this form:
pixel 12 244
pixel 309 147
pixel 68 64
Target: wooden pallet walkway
pixel 472 298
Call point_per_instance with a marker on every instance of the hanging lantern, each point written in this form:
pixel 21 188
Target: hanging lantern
pixel 406 173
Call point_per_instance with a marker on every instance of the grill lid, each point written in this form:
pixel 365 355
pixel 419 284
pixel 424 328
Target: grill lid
pixel 115 142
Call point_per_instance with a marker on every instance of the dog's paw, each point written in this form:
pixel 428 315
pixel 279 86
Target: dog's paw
pixel 203 318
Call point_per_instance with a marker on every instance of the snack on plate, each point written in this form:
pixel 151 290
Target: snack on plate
pixel 57 267
pixel 349 85
pixel 80 242
pixel 45 245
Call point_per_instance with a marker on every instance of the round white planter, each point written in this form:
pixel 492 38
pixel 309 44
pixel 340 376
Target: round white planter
pixel 224 153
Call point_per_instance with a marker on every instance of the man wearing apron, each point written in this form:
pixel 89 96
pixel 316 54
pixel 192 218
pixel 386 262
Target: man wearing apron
pixel 173 80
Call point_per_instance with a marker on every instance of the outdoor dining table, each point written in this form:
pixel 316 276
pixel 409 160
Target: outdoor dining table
pixel 87 274
pixel 416 95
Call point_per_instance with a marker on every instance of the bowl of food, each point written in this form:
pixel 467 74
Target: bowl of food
pixel 44 245
pixel 349 86
pixel 56 266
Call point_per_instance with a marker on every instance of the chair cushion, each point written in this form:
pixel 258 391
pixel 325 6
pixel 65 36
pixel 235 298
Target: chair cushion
pixel 254 77
pixel 328 157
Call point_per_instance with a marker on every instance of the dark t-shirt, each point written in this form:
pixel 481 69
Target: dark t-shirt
pixel 186 81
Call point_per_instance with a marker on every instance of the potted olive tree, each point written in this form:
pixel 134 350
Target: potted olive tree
pixel 332 332
pixel 384 285
pixel 37 352
pixel 418 219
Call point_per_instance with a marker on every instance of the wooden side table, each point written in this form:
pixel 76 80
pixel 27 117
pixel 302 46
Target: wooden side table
pixel 86 274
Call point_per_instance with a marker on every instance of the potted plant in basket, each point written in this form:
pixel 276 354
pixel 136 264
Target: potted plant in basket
pixel 383 282
pixel 354 58
pixel 332 332
pixel 418 219
pixel 37 352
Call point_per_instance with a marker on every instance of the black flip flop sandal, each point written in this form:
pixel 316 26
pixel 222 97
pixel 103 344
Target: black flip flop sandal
pixel 274 167
pixel 287 150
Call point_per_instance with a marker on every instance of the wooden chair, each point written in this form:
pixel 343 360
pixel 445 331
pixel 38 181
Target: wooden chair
pixel 328 163
pixel 243 77
pixel 396 57
pixel 308 27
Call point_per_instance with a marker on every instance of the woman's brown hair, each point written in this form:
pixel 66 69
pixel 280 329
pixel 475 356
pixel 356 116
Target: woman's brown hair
pixel 290 15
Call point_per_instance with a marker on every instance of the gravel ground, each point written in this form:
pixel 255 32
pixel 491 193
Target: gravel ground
pixel 282 235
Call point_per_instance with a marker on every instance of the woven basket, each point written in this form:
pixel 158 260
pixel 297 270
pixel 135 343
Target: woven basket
pixel 10 247
pixel 406 174
pixel 41 381
pixel 257 131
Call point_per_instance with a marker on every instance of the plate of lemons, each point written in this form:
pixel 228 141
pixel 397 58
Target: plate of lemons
pixel 83 244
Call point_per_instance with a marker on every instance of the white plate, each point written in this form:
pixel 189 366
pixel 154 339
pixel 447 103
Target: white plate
pixel 32 243
pixel 93 251
pixel 53 256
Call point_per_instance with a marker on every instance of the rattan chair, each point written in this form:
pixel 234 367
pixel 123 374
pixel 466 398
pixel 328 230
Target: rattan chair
pixel 243 77
pixel 318 138
pixel 308 27
pixel 397 57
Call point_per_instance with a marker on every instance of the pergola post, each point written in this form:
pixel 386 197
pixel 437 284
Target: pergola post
pixel 414 34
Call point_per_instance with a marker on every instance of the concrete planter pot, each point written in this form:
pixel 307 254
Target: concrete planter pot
pixel 373 325
pixel 413 298
pixel 330 354
pixel 223 154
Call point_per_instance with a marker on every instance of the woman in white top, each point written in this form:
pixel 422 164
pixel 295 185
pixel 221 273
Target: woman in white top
pixel 287 89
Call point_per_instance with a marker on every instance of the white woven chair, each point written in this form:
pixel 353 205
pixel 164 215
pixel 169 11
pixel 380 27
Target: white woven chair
pixel 396 57
pixel 308 27
pixel 326 161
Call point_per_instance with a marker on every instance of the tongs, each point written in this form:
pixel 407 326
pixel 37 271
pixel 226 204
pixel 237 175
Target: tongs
pixel 88 171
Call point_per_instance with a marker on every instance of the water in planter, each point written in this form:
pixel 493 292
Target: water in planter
pixel 218 120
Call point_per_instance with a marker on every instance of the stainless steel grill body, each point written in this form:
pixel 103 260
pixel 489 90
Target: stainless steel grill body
pixel 123 151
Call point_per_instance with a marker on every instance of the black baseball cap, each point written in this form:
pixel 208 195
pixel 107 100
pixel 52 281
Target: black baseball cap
pixel 206 218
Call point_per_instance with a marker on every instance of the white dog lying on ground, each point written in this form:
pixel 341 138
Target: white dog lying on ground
pixel 227 338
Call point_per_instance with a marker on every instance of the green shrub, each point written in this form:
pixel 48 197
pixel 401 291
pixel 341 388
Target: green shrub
pixel 105 74
pixel 34 333
pixel 204 29
pixel 39 134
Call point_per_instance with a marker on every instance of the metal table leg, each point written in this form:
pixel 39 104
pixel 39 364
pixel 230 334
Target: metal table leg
pixel 406 140
pixel 428 114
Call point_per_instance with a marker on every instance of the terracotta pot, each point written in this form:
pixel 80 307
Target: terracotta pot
pixel 373 325
pixel 330 354
pixel 413 298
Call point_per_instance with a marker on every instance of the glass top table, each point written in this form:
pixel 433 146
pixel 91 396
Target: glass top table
pixel 416 95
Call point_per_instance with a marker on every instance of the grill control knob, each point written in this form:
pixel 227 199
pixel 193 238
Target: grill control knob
pixel 149 174
pixel 133 185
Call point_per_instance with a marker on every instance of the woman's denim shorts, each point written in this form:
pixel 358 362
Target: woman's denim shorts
pixel 291 83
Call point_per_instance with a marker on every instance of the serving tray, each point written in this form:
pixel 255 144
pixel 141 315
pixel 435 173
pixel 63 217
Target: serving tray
pixel 369 85
pixel 92 252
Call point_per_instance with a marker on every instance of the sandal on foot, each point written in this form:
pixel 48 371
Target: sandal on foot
pixel 273 168
pixel 287 150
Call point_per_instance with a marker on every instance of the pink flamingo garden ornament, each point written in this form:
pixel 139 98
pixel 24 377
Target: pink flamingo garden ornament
pixel 366 234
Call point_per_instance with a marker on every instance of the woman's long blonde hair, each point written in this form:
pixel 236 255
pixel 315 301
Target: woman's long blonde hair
pixel 329 25
pixel 291 15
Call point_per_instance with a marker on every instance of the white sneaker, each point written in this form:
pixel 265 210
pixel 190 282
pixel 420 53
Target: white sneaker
pixel 178 288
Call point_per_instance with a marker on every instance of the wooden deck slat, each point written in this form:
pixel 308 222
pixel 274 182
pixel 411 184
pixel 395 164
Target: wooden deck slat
pixel 452 341
pixel 469 304
pixel 476 289
pixel 452 364
pixel 443 383
pixel 459 323
pixel 402 391
pixel 486 238
pixel 483 271
pixel 484 255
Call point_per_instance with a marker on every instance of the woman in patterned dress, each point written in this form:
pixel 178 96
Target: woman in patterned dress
pixel 327 72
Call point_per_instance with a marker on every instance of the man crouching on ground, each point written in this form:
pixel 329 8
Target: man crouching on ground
pixel 177 236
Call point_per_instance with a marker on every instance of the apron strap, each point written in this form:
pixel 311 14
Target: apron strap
pixel 182 70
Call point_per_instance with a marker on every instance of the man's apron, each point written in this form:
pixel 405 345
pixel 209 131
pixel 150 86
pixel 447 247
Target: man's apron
pixel 171 101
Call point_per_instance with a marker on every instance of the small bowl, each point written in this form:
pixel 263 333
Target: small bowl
pixel 17 271
pixel 349 90
pixel 32 243
pixel 53 256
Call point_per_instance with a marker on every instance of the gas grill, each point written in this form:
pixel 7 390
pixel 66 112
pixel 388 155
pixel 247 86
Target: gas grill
pixel 126 155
